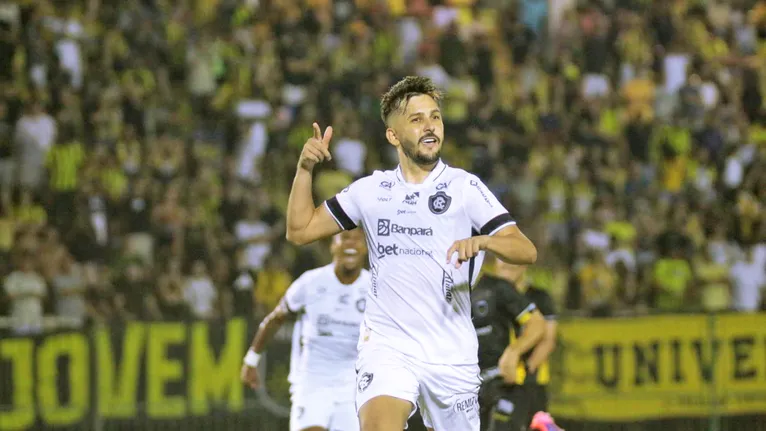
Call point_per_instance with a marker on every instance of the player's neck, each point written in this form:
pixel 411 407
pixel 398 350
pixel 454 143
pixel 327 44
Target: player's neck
pixel 347 276
pixel 415 173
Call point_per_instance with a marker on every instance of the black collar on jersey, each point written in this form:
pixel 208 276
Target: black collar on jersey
pixel 431 178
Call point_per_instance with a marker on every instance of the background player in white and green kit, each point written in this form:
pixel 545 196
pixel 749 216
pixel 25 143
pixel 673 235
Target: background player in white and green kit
pixel 328 303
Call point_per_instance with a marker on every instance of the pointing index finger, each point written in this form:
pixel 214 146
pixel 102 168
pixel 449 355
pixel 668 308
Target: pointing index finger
pixel 451 251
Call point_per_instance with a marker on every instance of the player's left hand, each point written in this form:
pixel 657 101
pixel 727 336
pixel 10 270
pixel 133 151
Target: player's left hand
pixel 507 365
pixel 466 249
pixel 249 376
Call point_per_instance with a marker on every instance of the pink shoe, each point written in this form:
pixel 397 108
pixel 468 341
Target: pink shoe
pixel 543 421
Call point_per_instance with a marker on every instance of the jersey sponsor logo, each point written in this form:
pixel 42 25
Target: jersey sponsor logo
pixel 361 305
pixel 479 188
pixel 484 330
pixel 346 189
pixel 386 185
pixel 442 186
pixel 364 381
pixel 384 199
pixel 386 228
pixel 447 285
pixel 411 199
pixel 324 320
pixel 400 212
pixel 374 280
pixel 395 250
pixel 439 203
pixel 505 406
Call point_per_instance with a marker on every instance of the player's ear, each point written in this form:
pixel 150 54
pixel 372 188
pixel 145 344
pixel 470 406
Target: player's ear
pixel 391 137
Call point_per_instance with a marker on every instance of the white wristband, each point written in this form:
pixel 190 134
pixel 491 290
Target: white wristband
pixel 252 358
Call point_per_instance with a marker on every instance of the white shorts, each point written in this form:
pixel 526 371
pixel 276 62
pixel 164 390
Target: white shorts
pixel 447 395
pixel 323 407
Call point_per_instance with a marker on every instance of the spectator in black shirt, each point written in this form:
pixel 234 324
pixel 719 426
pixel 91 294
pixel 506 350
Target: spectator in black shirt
pixel 138 219
pixel 6 156
pixel 497 309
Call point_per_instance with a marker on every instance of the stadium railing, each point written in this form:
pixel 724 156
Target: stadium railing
pixel 665 372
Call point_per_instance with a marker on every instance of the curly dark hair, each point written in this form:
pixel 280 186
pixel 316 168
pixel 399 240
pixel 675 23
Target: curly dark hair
pixel 396 97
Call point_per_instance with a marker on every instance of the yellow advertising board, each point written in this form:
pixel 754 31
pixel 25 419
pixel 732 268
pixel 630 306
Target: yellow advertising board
pixel 660 367
pixel 116 372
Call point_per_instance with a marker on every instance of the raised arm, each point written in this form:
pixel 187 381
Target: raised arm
pixel 306 222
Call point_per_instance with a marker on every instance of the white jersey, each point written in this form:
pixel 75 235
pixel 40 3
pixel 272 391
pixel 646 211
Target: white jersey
pixel 419 304
pixel 331 315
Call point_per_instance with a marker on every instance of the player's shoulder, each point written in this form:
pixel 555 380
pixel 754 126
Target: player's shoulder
pixel 365 274
pixel 382 179
pixel 316 273
pixel 542 298
pixel 459 176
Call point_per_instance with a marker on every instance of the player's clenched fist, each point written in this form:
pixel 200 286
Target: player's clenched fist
pixel 466 249
pixel 249 376
pixel 316 149
pixel 507 365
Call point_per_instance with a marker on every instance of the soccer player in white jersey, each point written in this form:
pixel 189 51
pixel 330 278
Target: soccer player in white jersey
pixel 330 302
pixel 427 226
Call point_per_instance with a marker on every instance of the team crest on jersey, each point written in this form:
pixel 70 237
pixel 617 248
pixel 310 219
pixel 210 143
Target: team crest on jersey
pixel 361 305
pixel 439 203
pixel 364 381
pixel 481 308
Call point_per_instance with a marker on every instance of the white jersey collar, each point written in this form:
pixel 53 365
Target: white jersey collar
pixel 431 178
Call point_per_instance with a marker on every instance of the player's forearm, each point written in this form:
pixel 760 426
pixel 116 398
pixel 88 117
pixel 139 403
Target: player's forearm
pixel 266 330
pixel 540 353
pixel 513 249
pixel 533 332
pixel 300 206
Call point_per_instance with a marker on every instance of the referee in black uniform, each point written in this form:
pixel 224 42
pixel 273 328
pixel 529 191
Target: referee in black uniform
pixel 499 310
pixel 538 372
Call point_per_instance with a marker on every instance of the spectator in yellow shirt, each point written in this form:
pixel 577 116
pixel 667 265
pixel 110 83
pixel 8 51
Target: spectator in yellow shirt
pixel 64 161
pixel 671 283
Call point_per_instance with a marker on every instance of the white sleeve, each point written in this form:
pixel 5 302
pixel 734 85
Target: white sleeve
pixel 297 294
pixel 344 207
pixel 487 214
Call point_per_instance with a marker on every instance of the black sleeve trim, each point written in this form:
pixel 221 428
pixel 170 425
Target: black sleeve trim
pixel 495 223
pixel 340 216
pixel 472 264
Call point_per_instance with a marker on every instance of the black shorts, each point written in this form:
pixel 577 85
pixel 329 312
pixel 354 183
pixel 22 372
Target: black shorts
pixel 505 407
pixel 538 399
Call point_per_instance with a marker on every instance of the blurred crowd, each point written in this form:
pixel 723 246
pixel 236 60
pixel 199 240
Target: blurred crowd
pixel 147 146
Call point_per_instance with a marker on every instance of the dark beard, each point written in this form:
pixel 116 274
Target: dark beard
pixel 412 153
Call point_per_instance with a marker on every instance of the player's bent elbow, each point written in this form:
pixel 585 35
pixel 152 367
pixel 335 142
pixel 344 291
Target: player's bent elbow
pixel 530 255
pixel 295 237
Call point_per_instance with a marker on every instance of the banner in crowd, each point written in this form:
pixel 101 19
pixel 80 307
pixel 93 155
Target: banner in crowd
pixel 175 370
pixel 661 367
pixel 142 373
